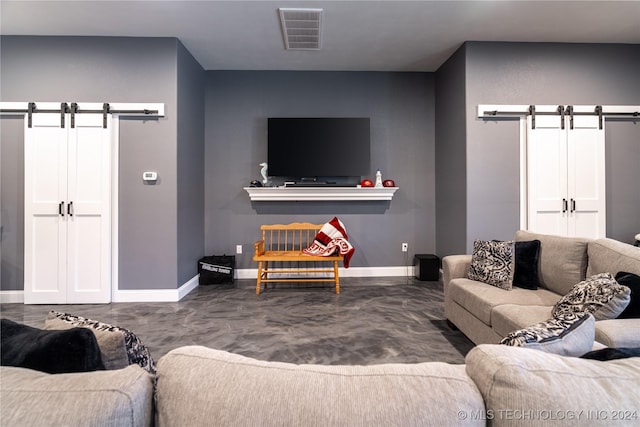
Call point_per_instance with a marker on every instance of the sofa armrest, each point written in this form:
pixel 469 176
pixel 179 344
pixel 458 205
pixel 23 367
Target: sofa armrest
pixel 455 267
pixel 618 333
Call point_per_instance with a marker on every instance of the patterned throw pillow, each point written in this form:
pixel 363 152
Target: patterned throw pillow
pixel 599 295
pixel 568 335
pixel 492 263
pixel 136 351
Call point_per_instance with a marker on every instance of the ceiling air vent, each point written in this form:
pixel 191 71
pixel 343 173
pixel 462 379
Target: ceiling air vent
pixel 301 28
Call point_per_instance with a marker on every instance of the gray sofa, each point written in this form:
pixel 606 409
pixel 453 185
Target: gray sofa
pixel 197 386
pixel 486 314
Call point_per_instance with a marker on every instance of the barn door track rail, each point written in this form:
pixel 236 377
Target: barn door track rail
pixel 122 109
pixel 492 111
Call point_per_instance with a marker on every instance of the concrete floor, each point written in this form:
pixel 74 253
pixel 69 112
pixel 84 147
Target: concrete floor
pixel 372 321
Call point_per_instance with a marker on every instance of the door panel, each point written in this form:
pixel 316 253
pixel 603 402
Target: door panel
pixel 89 227
pixel 547 177
pixel 586 173
pixel 45 176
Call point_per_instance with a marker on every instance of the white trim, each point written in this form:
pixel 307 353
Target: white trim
pixel 190 285
pixel 156 295
pixel 392 271
pixel 138 106
pixel 175 295
pixel 524 207
pixel 10 297
pixel 299 194
pixel 115 175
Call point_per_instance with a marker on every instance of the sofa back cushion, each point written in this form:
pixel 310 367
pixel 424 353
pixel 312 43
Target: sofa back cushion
pixel 523 386
pixel 563 260
pixel 612 256
pixel 202 386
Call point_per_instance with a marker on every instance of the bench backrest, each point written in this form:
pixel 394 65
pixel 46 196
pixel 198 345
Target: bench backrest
pixel 289 237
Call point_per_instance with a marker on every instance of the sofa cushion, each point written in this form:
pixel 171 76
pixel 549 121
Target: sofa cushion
pixel 618 332
pixel 599 295
pixel 569 335
pixel 480 299
pixel 103 398
pixel 631 281
pixel 492 263
pixel 73 350
pixel 137 352
pixel 507 318
pixel 201 386
pixel 563 260
pixel 608 255
pixel 111 343
pixel 520 386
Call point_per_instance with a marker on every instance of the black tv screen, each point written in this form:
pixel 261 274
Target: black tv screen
pixel 319 147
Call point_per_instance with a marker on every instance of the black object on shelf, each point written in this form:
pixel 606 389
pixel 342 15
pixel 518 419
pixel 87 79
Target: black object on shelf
pixel 216 269
pixel 427 267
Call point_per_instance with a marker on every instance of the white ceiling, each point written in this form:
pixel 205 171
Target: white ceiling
pixel 357 35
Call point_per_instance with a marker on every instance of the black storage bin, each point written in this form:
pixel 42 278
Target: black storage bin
pixel 427 267
pixel 216 269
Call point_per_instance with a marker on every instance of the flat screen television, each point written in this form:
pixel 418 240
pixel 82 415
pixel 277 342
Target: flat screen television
pixel 308 148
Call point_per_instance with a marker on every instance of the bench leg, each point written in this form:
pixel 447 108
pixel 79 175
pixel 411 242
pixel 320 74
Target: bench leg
pixel 259 278
pixel 336 278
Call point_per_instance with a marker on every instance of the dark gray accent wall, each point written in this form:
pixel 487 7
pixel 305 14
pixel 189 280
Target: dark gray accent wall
pixel 95 69
pixel 190 150
pixel 546 73
pixel 401 108
pixel 451 156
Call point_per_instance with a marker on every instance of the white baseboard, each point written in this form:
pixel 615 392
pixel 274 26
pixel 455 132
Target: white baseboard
pixel 174 295
pixel 155 295
pixel 10 297
pixel 396 271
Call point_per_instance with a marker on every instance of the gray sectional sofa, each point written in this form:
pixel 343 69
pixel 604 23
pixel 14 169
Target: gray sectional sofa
pixel 197 386
pixel 486 314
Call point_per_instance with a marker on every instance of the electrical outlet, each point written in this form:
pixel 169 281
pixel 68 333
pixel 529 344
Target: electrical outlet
pixel 238 249
pixel 405 247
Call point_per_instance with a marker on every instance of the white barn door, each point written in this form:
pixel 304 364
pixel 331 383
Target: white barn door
pixel 566 177
pixel 547 176
pixel 67 210
pixel 586 178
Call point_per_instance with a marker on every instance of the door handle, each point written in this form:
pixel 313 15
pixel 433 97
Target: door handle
pixel 61 209
pixel 70 209
pixel 564 205
pixel 573 205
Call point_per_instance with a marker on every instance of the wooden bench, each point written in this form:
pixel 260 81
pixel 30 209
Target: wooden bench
pixel 284 244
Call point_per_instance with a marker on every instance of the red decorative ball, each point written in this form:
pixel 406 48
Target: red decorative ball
pixel 388 183
pixel 366 183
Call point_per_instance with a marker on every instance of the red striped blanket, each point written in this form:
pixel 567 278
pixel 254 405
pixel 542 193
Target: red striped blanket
pixel 332 237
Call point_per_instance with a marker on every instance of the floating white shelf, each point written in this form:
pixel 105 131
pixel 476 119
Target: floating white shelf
pixel 301 194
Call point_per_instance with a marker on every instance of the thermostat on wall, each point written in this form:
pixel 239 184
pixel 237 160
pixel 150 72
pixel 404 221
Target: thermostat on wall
pixel 149 176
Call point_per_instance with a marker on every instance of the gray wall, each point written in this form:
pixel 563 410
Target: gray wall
pixel 94 69
pixel 401 108
pixel 451 158
pixel 539 73
pixel 190 160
